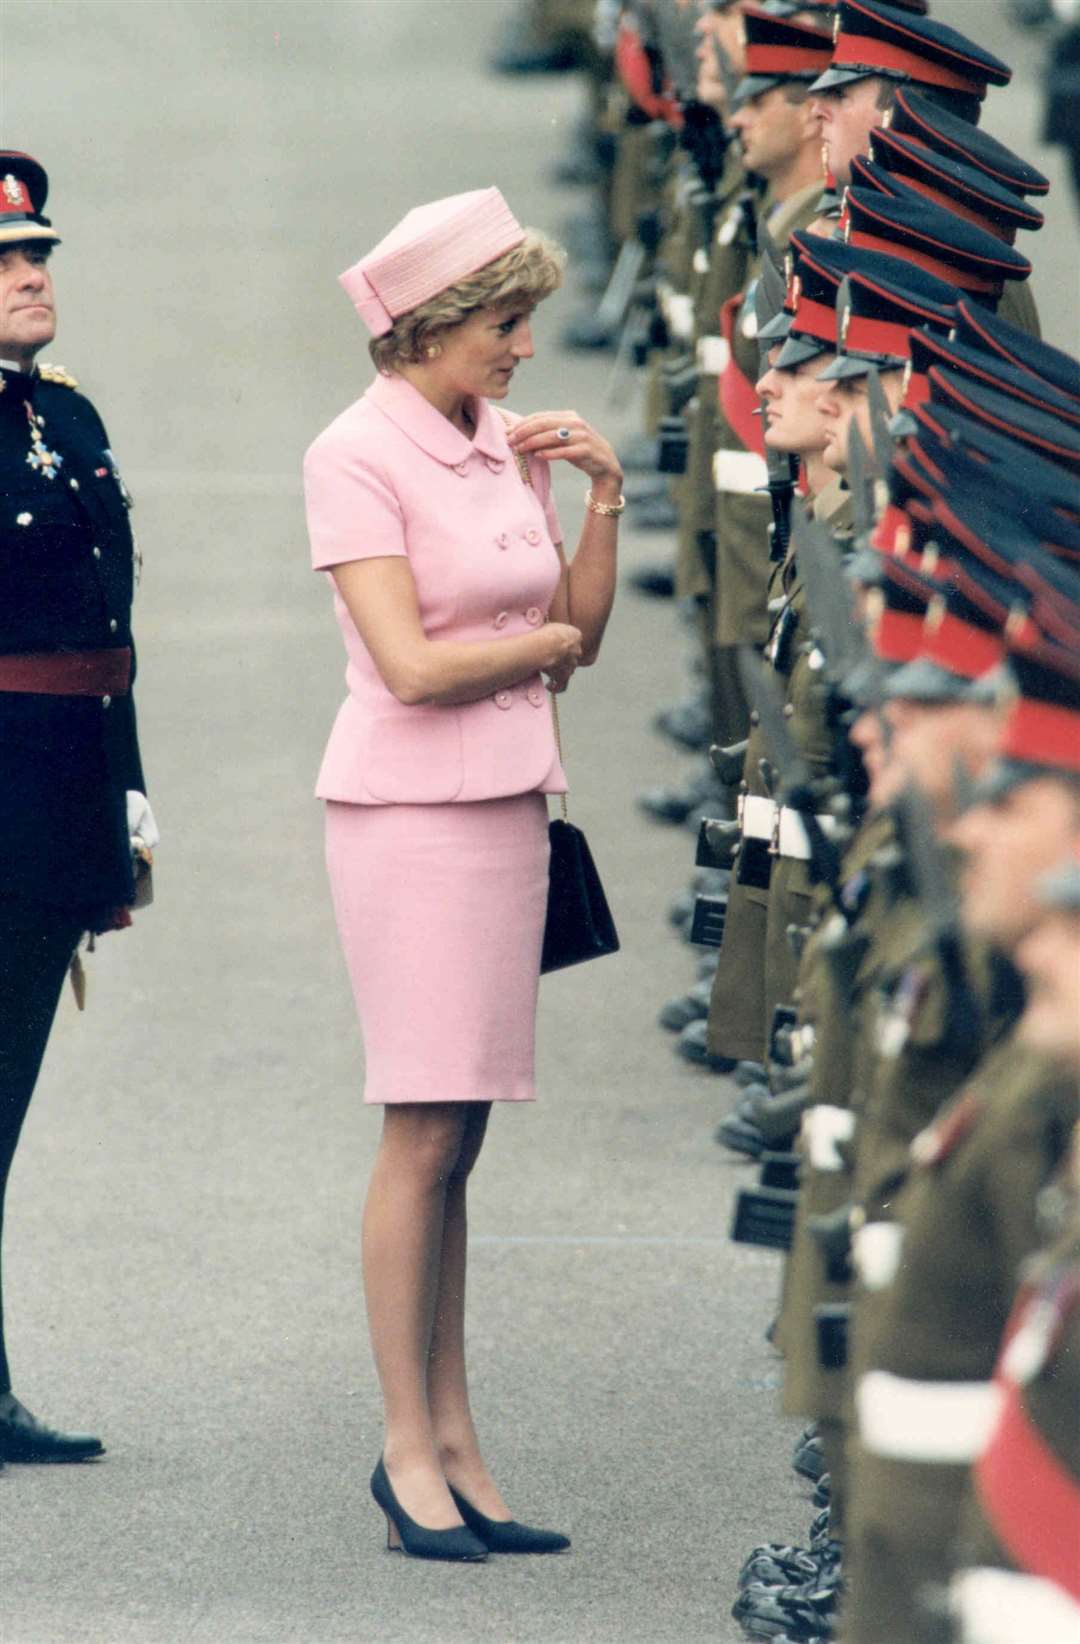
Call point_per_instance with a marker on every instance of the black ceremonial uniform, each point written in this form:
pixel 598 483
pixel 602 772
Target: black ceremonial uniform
pixel 67 758
pixel 66 582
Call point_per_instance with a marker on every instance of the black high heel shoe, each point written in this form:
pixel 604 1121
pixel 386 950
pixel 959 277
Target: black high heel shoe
pixel 507 1535
pixel 405 1535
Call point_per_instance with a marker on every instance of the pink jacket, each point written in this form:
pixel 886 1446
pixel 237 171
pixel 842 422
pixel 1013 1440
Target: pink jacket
pixel 392 476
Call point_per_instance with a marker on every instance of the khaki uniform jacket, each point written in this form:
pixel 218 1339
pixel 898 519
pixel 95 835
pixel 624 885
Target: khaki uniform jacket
pixel 970 1213
pixel 742 549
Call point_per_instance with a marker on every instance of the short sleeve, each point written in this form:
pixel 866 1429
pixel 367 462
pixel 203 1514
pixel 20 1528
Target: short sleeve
pixel 352 511
pixel 541 476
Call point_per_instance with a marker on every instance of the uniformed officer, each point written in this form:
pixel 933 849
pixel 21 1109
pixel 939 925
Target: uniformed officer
pixel 72 800
pixel 969 1208
pixel 1018 1574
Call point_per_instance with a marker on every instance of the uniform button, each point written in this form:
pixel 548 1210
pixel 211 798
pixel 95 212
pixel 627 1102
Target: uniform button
pixel 96 553
pixel 534 616
pixel 536 696
pixel 755 717
pixel 112 625
pixel 24 519
pixel 503 539
pixel 74 484
pixel 502 619
pixel 532 534
pixel 106 701
pixel 503 699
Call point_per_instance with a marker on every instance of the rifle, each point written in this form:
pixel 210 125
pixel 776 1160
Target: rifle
pixel 795 783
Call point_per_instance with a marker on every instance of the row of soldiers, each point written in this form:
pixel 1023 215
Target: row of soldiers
pixel 874 463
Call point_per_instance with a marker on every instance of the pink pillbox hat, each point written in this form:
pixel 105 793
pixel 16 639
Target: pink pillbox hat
pixel 431 248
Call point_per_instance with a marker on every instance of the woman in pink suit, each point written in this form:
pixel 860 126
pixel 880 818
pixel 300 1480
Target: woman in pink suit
pixel 455 601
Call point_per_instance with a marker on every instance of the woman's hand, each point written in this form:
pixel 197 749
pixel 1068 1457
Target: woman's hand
pixel 564 649
pixel 564 436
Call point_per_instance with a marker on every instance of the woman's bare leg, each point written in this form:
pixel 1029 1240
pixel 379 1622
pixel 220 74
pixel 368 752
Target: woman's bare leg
pixel 403 1238
pixel 447 1381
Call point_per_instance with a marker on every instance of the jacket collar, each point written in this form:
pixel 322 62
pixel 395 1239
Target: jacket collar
pixel 407 408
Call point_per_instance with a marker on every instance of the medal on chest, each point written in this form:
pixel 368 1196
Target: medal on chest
pixel 46 462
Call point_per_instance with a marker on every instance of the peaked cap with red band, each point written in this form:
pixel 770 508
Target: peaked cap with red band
pixel 24 188
pixel 910 226
pixel 880 40
pixel 1057 441
pixel 978 328
pixel 1041 732
pixel 432 248
pixel 875 319
pixel 990 372
pixel 1040 478
pixel 943 132
pixel 777 52
pixel 960 188
pixel 813 319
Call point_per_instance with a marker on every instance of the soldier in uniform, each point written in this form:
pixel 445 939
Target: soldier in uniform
pixel 968 1210
pixel 72 802
pixel 1018 1574
pixel 882 54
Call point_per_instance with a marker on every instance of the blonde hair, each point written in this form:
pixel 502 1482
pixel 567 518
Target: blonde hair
pixel 525 275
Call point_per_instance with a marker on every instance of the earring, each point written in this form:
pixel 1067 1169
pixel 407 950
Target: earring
pixel 432 351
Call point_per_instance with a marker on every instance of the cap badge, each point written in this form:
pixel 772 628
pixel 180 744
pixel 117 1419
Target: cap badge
pixel 13 192
pixel 908 373
pixel 836 26
pixel 845 322
pixel 935 613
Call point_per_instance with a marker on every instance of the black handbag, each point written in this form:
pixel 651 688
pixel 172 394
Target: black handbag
pixel 579 925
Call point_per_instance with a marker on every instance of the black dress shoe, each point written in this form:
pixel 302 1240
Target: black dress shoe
pixel 654 581
pixel 456 1546
pixel 749 1073
pixel 24 1438
pixel 639 454
pixel 693 1045
pixel 809 1459
pixel 507 1535
pixel 689 1007
pixel 653 514
pixel 740 1137
pixel 586 333
pixel 640 487
pixel 688 723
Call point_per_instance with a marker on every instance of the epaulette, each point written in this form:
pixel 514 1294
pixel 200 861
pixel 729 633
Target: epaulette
pixel 57 373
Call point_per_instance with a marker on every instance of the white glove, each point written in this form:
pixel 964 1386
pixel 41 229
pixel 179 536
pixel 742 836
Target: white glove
pixel 999 1607
pixel 140 819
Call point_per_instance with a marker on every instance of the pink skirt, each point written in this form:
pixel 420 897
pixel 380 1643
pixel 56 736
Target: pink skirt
pixel 440 909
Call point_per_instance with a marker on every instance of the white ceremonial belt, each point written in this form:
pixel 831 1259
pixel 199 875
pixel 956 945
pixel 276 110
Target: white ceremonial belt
pixel 823 1127
pixel 739 472
pixel 876 1248
pixel 757 816
pixel 948 1422
pixel 1003 1606
pixel 793 840
pixel 680 315
pixel 713 355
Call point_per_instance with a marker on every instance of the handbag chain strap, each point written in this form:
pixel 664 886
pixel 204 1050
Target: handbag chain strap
pixel 522 462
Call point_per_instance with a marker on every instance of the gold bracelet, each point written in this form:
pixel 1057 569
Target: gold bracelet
pixel 610 510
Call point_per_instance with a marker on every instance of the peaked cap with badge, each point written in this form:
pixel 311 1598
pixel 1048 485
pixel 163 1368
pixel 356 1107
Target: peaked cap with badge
pixel 879 40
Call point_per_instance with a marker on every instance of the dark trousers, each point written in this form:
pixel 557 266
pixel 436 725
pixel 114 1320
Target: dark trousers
pixel 36 945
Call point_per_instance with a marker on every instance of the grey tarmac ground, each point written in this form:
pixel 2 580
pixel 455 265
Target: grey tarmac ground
pixel 183 1222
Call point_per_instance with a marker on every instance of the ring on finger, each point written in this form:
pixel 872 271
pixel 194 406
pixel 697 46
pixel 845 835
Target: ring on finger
pixel 562 433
